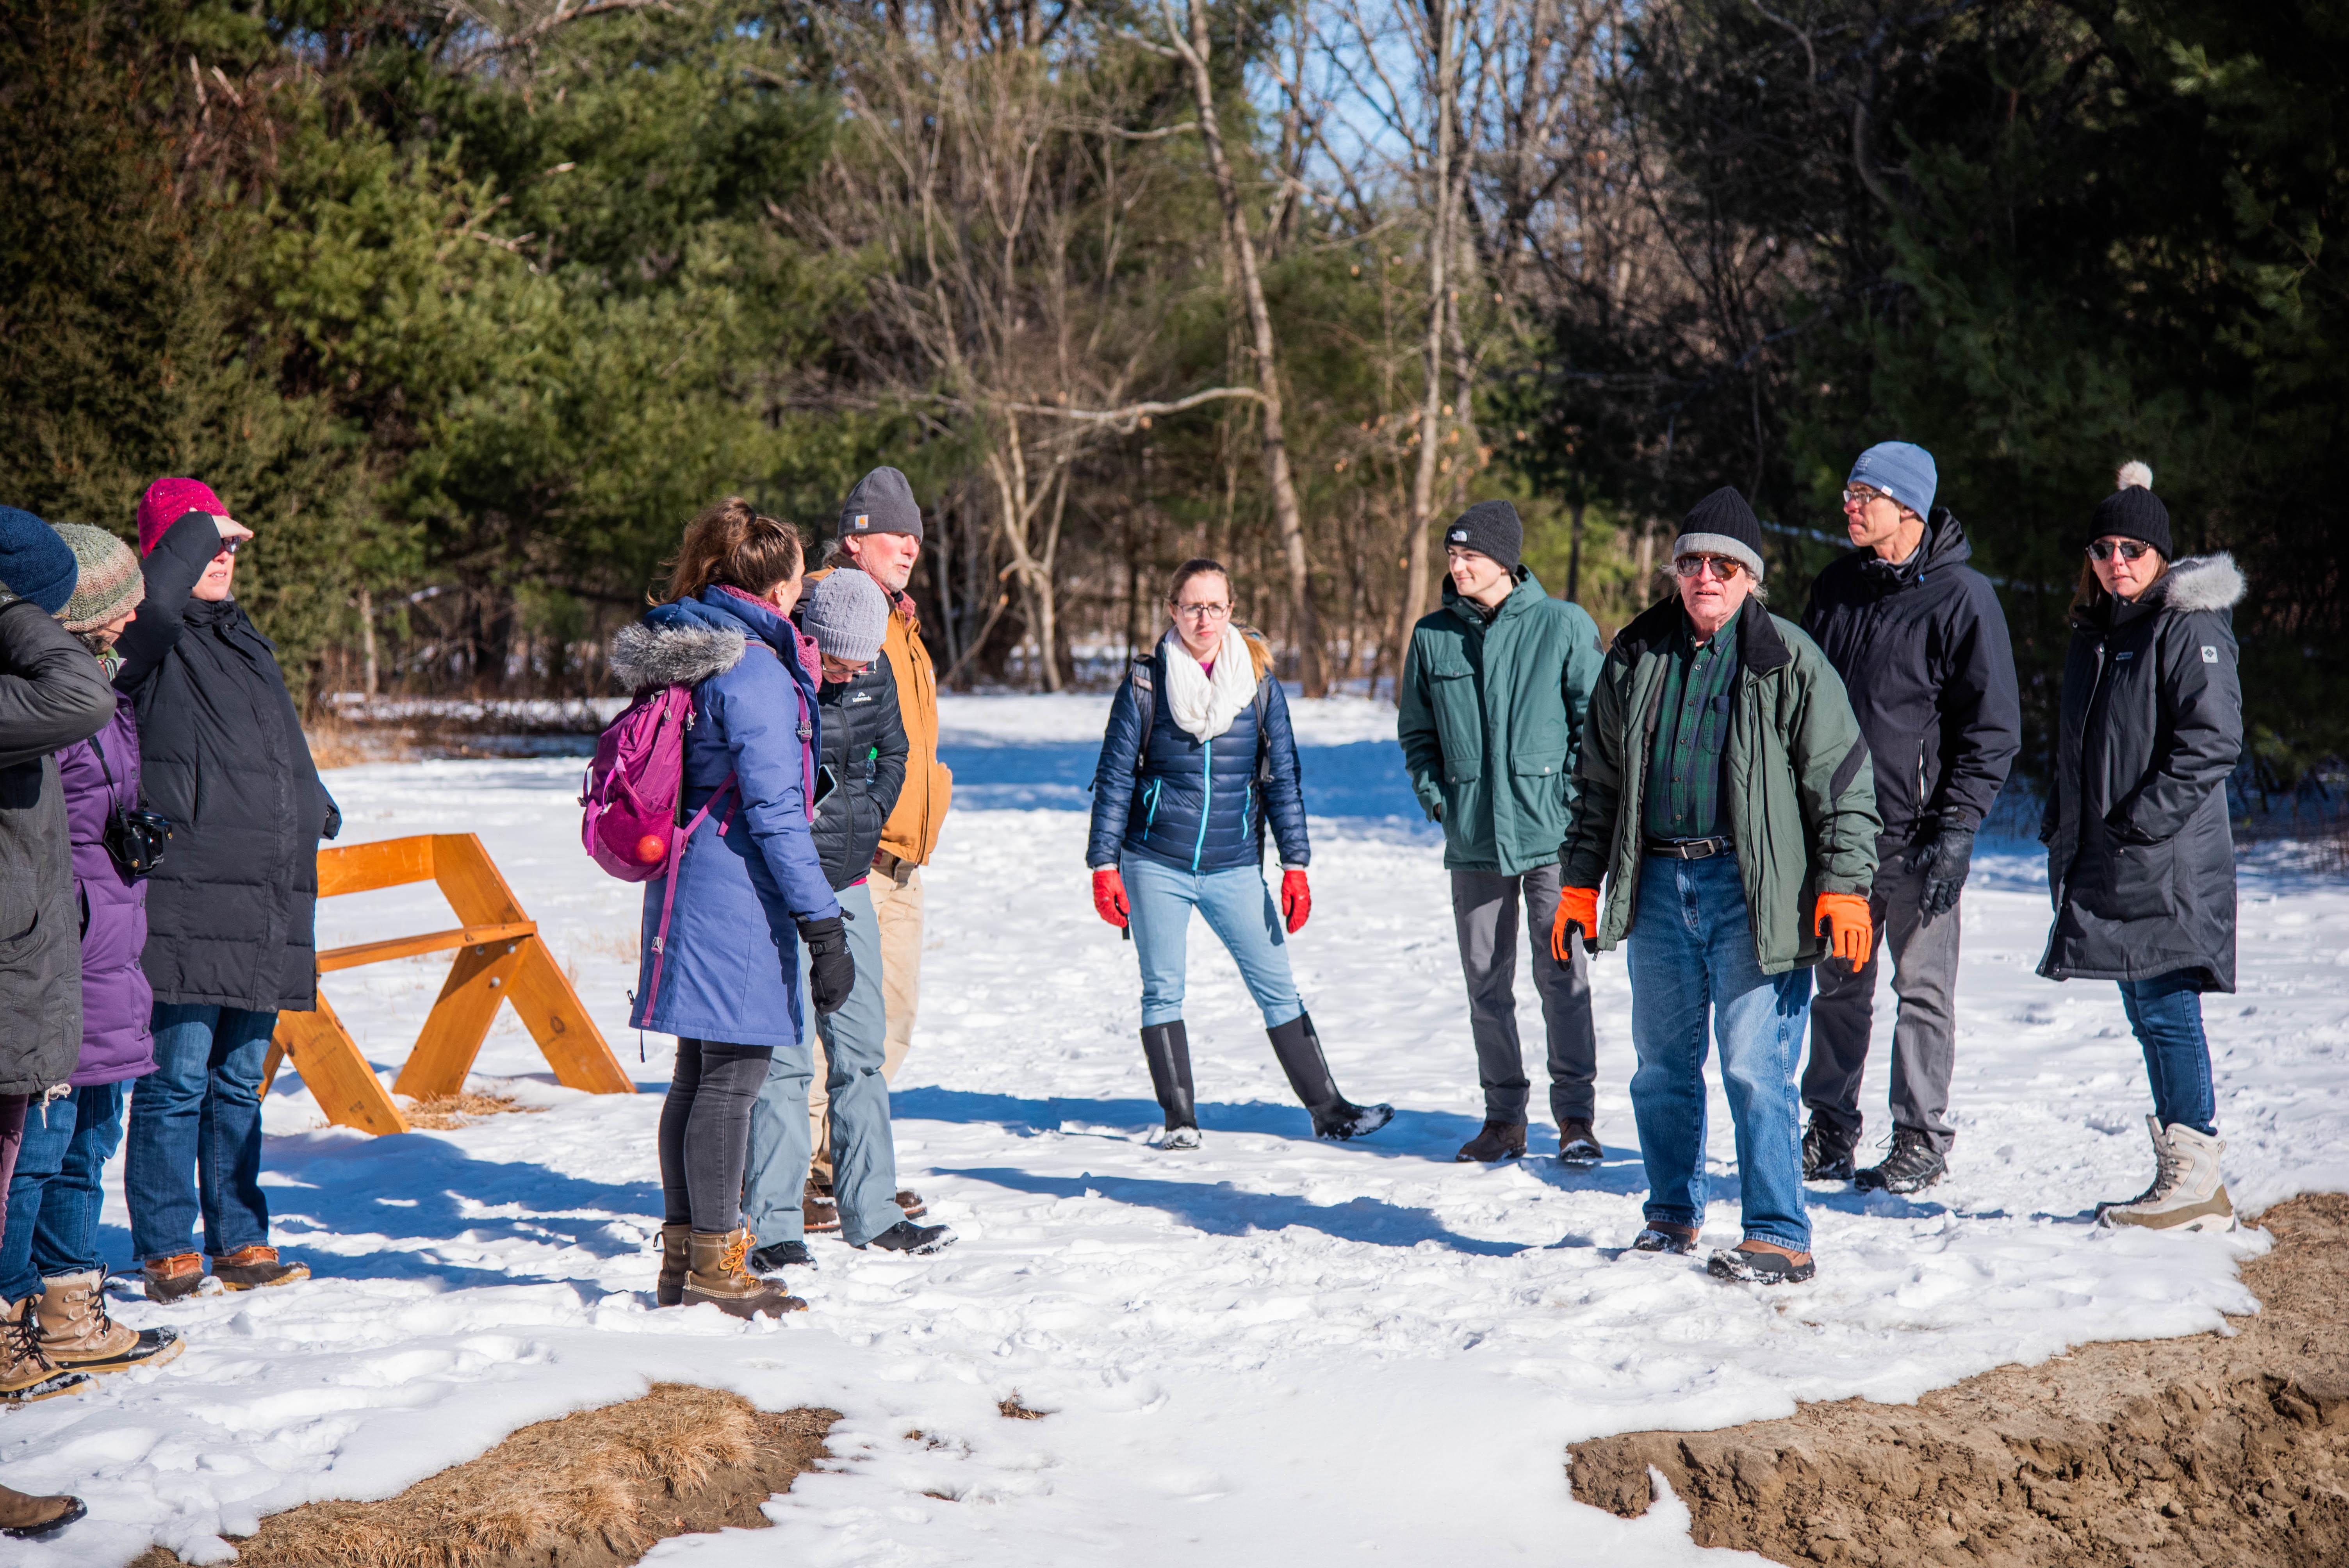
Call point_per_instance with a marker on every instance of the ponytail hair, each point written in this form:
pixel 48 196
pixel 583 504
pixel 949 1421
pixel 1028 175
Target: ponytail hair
pixel 733 546
pixel 1198 566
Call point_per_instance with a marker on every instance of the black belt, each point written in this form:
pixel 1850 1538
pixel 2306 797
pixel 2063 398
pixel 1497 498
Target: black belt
pixel 1690 848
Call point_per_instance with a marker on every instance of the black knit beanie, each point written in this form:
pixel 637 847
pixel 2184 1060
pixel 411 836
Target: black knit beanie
pixel 1723 524
pixel 1489 528
pixel 2134 511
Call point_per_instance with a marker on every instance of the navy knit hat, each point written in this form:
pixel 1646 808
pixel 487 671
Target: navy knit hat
pixel 882 502
pixel 1901 471
pixel 1489 528
pixel 2134 511
pixel 35 563
pixel 1723 524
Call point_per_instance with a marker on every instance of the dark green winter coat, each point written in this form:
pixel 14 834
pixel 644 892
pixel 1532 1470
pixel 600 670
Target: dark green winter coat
pixel 1490 716
pixel 1799 793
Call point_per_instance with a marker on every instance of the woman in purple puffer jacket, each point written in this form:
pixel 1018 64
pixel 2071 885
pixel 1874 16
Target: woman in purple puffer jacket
pixel 48 1249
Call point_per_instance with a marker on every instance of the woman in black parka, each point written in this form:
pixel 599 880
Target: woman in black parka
pixel 229 909
pixel 2140 861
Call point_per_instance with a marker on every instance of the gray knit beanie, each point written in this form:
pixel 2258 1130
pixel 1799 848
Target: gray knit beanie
pixel 847 614
pixel 110 584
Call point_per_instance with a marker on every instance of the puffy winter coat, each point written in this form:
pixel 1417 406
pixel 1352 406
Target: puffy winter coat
pixel 2140 861
pixel 100 778
pixel 52 694
pixel 1490 713
pixel 1800 796
pixel 1926 661
pixel 729 966
pixel 231 909
pixel 864 750
pixel 912 833
pixel 1203 806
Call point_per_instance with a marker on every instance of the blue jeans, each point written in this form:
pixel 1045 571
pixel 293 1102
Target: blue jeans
pixel 1691 947
pixel 864 1150
pixel 55 1197
pixel 2166 1014
pixel 1239 909
pixel 198 1115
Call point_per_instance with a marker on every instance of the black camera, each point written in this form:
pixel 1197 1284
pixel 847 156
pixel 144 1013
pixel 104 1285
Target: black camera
pixel 136 840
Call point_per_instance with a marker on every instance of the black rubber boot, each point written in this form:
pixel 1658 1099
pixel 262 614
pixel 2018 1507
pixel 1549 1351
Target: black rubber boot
pixel 1167 1048
pixel 1298 1049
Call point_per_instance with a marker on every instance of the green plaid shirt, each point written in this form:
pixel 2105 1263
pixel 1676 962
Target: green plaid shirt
pixel 1692 735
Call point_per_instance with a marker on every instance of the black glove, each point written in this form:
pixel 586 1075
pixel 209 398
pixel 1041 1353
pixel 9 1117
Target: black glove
pixel 832 972
pixel 1945 859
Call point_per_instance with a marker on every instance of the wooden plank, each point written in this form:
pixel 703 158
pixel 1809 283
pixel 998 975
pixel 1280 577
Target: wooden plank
pixel 471 882
pixel 334 1072
pixel 409 946
pixel 459 1020
pixel 550 1008
pixel 386 863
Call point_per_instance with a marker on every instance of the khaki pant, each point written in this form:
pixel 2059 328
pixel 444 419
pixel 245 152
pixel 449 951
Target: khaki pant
pixel 897 910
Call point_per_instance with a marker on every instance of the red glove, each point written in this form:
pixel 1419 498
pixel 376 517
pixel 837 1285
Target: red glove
pixel 1843 920
pixel 1295 899
pixel 1109 895
pixel 1577 906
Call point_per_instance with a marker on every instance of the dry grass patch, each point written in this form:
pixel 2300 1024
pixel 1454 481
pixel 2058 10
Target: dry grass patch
pixel 1012 1406
pixel 592 1490
pixel 443 1112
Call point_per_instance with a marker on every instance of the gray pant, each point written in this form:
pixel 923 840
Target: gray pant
pixel 704 1124
pixel 1484 913
pixel 1924 1036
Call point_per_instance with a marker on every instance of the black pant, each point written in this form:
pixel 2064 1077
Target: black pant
pixel 705 1126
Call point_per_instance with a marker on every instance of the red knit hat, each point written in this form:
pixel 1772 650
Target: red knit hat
pixel 167 501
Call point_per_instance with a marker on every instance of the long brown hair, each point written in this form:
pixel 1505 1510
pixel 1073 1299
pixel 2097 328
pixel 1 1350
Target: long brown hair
pixel 734 545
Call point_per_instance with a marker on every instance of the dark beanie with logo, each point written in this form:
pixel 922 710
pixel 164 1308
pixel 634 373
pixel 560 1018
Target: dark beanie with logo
pixel 882 502
pixel 1489 528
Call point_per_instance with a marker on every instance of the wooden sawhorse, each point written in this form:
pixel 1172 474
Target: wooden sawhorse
pixel 500 957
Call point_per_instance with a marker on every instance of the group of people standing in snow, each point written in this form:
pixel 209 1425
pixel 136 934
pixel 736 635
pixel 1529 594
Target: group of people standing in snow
pixel 1738 800
pixel 812 796
pixel 160 819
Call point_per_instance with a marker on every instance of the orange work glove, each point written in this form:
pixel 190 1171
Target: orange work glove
pixel 1577 906
pixel 1109 896
pixel 1843 919
pixel 1295 899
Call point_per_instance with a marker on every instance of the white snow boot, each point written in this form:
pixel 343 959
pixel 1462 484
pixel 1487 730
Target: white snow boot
pixel 2186 1193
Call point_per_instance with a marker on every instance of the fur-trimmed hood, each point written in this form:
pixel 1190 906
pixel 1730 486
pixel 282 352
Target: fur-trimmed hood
pixel 678 651
pixel 2201 582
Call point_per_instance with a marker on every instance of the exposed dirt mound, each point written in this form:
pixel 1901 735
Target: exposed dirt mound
pixel 2193 1451
pixel 593 1490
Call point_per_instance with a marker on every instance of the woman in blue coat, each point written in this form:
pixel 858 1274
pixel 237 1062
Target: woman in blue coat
pixel 1198 763
pixel 724 975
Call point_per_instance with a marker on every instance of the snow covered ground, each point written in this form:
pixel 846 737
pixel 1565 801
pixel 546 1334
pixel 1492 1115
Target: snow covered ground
pixel 1278 1350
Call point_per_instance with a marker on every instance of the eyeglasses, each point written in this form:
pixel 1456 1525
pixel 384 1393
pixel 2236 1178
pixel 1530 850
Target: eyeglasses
pixel 1722 567
pixel 1860 495
pixel 1203 611
pixel 2129 548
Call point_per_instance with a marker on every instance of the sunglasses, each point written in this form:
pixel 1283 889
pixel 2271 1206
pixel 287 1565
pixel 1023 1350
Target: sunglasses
pixel 1722 567
pixel 229 547
pixel 2127 548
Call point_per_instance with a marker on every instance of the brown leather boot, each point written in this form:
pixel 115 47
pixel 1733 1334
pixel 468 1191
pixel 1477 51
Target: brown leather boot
pixel 24 1517
pixel 1495 1142
pixel 27 1374
pixel 818 1210
pixel 715 1275
pixel 256 1267
pixel 670 1289
pixel 78 1335
pixel 174 1278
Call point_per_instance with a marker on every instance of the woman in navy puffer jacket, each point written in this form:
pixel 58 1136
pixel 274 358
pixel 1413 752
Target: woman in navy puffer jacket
pixel 1198 763
pixel 724 975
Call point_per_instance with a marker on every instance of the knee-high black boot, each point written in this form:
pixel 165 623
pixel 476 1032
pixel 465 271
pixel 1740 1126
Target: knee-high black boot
pixel 1298 1049
pixel 1167 1048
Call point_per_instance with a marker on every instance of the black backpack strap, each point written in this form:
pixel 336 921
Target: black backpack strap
pixel 1145 698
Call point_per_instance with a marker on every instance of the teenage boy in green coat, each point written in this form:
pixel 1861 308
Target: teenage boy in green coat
pixel 1495 687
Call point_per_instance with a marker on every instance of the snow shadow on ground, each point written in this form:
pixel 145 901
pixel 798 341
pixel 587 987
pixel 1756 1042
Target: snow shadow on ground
pixel 1363 779
pixel 1221 1209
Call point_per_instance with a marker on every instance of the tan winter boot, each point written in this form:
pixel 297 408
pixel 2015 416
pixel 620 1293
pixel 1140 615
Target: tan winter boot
pixel 78 1335
pixel 715 1275
pixel 2186 1193
pixel 256 1266
pixel 24 1517
pixel 27 1374
pixel 670 1289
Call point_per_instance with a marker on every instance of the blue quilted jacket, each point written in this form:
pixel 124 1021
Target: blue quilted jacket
pixel 1200 805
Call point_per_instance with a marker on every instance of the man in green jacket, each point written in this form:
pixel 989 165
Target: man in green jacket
pixel 1495 685
pixel 1728 803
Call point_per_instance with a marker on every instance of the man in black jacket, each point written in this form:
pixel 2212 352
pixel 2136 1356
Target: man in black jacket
pixel 1921 645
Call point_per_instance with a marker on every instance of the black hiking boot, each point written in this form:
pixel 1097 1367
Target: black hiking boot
pixel 1298 1049
pixel 915 1241
pixel 777 1256
pixel 1498 1141
pixel 1827 1151
pixel 1913 1165
pixel 1167 1048
pixel 1578 1145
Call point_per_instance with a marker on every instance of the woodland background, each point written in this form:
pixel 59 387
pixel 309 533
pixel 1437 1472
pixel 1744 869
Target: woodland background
pixel 466 307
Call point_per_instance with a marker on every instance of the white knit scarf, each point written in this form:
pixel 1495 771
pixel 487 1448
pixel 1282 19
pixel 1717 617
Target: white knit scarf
pixel 1204 705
